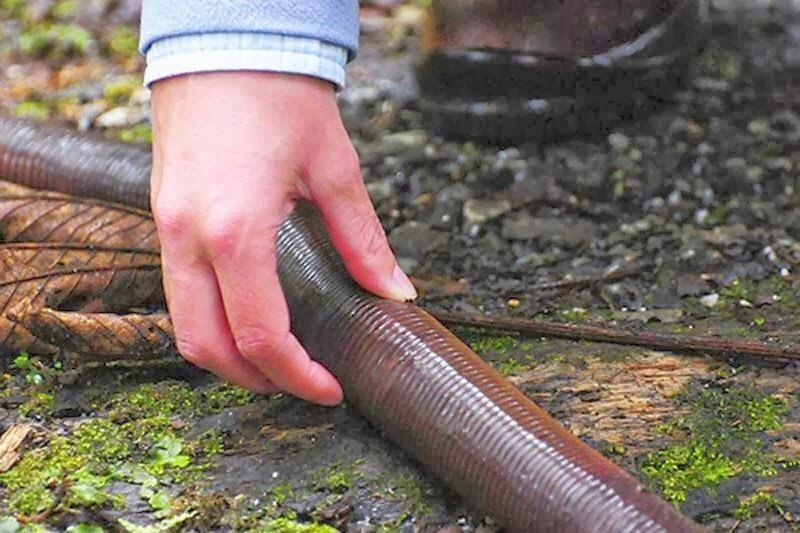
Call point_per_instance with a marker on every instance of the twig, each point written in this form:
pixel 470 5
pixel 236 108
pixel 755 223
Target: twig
pixel 650 339
pixel 605 277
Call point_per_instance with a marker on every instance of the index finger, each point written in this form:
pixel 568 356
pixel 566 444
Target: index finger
pixel 245 263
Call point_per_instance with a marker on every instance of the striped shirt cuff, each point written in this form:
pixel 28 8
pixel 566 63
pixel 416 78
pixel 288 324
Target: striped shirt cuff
pixel 208 52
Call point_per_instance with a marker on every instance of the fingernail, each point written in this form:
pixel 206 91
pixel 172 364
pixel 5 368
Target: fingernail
pixel 403 288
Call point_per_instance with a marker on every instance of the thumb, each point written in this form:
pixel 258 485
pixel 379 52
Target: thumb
pixel 339 193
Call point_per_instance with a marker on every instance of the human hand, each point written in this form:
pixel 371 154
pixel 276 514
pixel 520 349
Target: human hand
pixel 232 151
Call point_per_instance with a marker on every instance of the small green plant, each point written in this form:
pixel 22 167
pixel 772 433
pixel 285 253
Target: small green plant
pixel 64 9
pixel 123 42
pixel 12 8
pixel 32 109
pixel 289 524
pixel 494 344
pixel 760 501
pixel 140 133
pixel 336 478
pixel 281 493
pixel 120 89
pixel 576 315
pixel 57 42
pixel 29 367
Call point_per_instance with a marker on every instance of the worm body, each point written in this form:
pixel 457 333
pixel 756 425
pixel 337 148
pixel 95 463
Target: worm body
pixel 401 369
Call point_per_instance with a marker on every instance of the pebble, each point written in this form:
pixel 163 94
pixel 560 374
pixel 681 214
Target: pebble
pixel 477 211
pixel 400 142
pixel 415 239
pixel 140 96
pixel 88 114
pixel 380 190
pixel 618 141
pixel 709 300
pixel 121 117
pixel 786 124
pixel 570 232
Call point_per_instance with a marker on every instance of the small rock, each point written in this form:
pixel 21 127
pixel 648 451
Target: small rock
pixel 709 300
pixel 38 10
pixel 787 124
pixel 446 216
pixel 89 114
pixel 380 190
pixel 403 141
pixel 478 211
pixel 519 227
pixel 665 316
pixel 570 232
pixel 618 141
pixel 415 239
pixel 690 285
pixel 120 117
pixel 140 96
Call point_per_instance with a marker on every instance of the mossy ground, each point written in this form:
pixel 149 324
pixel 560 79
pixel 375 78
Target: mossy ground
pixel 139 438
pixel 722 435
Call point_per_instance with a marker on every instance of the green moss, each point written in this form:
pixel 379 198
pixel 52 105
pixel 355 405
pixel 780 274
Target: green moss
pixel 613 448
pixel 141 133
pixel 35 378
pixel 338 482
pixel 83 458
pixel 40 403
pixel 85 528
pixel 32 109
pixel 511 366
pixel 721 63
pixel 509 355
pixel 337 479
pixel 138 441
pixel 758 502
pixel 281 493
pixel 64 9
pixel 576 315
pixel 12 8
pixel 123 42
pixel 737 290
pixel 290 525
pixel 720 436
pixel 57 42
pixel 172 398
pixel 686 466
pixel 208 444
pixel 409 489
pixel 494 344
pixel 121 89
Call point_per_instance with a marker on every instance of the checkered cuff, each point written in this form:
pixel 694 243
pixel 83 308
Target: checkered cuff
pixel 207 52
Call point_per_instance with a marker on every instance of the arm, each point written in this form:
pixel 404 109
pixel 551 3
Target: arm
pixel 240 132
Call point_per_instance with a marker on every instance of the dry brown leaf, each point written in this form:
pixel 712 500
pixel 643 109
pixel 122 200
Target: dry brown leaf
pixel 71 276
pixel 27 215
pixel 99 336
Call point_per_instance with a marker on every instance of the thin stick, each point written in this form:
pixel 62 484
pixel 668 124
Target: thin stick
pixel 606 277
pixel 650 339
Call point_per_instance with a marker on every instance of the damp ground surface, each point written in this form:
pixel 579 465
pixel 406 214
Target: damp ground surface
pixel 699 201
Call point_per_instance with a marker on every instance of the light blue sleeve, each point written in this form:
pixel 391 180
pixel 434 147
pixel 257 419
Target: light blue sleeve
pixel 315 37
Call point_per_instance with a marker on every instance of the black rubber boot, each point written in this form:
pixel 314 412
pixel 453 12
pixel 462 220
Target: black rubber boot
pixel 537 91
